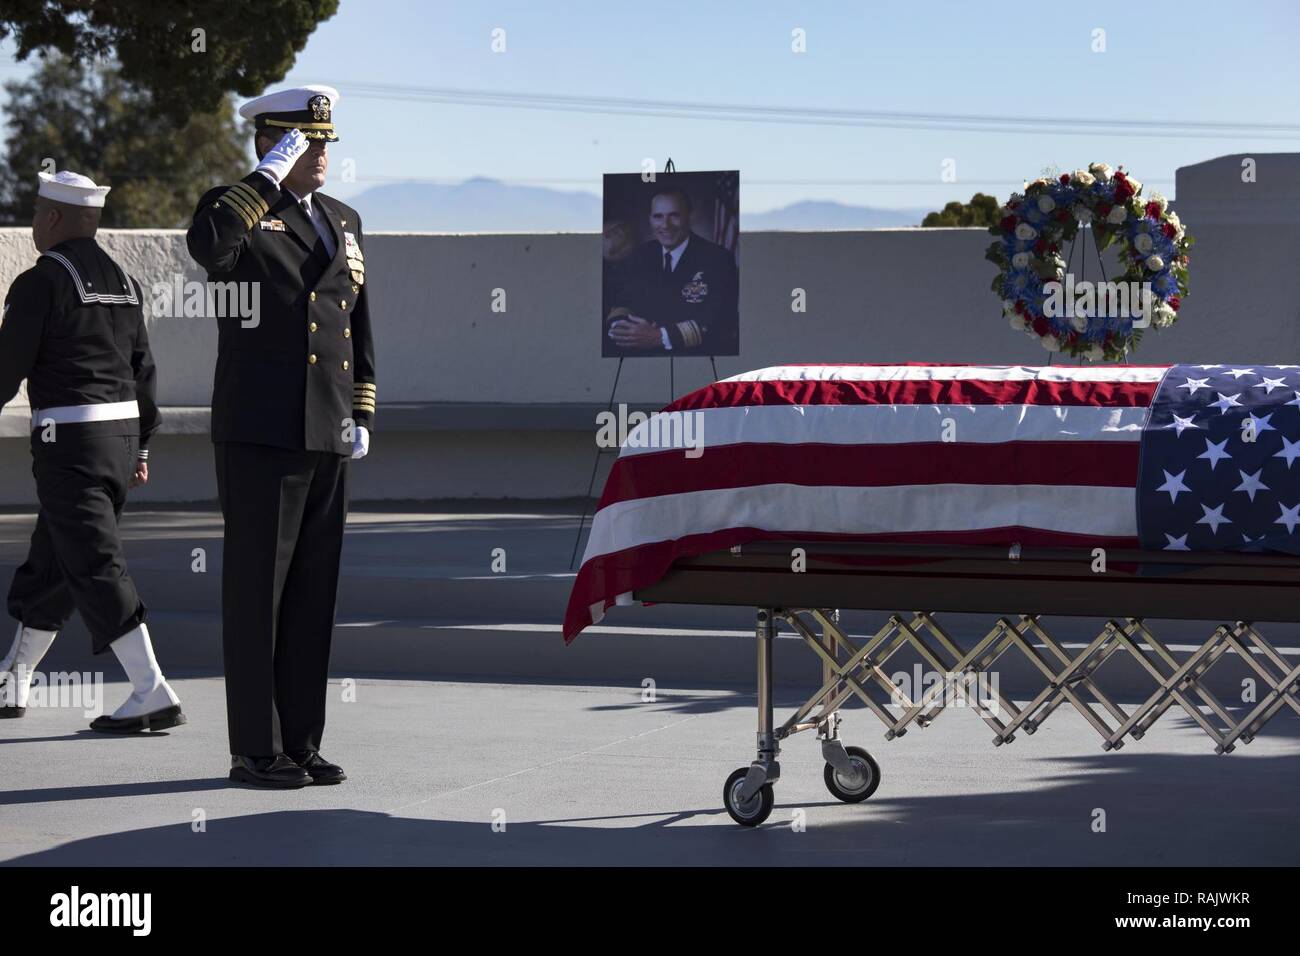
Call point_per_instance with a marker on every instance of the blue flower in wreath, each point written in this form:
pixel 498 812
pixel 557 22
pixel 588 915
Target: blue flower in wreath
pixel 1164 284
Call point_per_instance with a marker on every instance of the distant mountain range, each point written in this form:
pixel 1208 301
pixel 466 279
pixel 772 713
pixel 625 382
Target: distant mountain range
pixel 486 205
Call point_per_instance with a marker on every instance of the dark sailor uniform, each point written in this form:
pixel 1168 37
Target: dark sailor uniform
pixel 74 327
pixel 696 301
pixel 291 387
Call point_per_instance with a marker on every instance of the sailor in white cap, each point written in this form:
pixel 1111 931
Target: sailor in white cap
pixel 293 404
pixel 73 327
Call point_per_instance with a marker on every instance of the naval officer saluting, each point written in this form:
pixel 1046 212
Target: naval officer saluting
pixel 293 402
pixel 73 326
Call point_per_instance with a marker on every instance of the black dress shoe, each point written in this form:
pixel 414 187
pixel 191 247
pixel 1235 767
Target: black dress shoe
pixel 158 720
pixel 277 772
pixel 321 770
pixel 11 711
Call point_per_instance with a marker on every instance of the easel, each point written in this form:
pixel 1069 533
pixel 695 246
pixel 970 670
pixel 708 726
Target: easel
pixel 669 167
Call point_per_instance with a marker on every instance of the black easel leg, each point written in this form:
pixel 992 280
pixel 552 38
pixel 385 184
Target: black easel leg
pixel 715 367
pixel 672 386
pixel 595 466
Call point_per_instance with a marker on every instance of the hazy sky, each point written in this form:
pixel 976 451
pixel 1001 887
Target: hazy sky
pixel 1193 62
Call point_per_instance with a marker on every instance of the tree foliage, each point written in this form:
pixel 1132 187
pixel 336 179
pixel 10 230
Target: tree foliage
pixel 187 54
pixel 982 210
pixel 93 121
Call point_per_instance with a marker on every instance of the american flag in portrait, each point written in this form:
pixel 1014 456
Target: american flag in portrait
pixel 726 210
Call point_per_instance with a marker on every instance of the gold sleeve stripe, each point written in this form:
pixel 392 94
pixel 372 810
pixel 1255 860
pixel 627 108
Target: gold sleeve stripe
pixel 691 336
pixel 252 209
pixel 241 206
pixel 250 195
pixel 240 211
pixel 246 195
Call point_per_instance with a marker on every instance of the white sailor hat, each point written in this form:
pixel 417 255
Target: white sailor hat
pixel 72 188
pixel 308 108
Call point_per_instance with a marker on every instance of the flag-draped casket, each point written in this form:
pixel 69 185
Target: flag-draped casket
pixel 1181 457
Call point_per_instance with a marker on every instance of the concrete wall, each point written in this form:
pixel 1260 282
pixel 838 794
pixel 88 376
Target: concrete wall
pixel 477 403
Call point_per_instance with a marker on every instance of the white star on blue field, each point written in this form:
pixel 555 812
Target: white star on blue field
pixel 1218 457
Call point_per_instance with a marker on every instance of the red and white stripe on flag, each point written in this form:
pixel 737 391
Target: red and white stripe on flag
pixel 957 454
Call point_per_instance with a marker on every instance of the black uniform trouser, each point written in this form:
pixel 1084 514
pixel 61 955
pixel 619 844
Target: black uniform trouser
pixel 76 560
pixel 284 512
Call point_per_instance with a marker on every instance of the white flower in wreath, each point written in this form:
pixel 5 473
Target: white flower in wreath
pixel 1137 186
pixel 1083 178
pixel 1079 323
pixel 1008 307
pixel 1020 260
pixel 1026 232
pixel 1082 213
pixel 1155 263
pixel 1143 243
pixel 1160 201
pixel 1050 342
pixel 1046 204
pixel 1101 171
pixel 1095 353
pixel 1163 315
pixel 1116 215
pixel 1018 322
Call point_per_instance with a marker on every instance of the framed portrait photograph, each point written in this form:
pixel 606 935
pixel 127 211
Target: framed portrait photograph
pixel 671 269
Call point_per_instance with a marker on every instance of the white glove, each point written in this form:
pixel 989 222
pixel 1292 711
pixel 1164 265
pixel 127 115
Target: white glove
pixel 361 443
pixel 275 165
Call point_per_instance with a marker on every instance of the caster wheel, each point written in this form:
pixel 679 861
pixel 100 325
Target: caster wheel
pixel 750 814
pixel 859 786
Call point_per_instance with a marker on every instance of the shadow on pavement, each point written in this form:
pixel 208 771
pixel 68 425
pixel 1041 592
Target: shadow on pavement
pixel 1159 809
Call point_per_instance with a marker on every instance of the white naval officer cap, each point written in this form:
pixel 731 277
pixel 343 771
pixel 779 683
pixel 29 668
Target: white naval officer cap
pixel 308 108
pixel 72 188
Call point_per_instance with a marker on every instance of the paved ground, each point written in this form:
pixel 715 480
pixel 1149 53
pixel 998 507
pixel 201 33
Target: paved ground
pixel 591 775
pixel 556 741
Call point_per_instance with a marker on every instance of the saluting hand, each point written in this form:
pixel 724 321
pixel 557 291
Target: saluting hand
pixel 279 159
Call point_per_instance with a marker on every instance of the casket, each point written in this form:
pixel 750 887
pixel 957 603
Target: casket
pixel 1118 491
